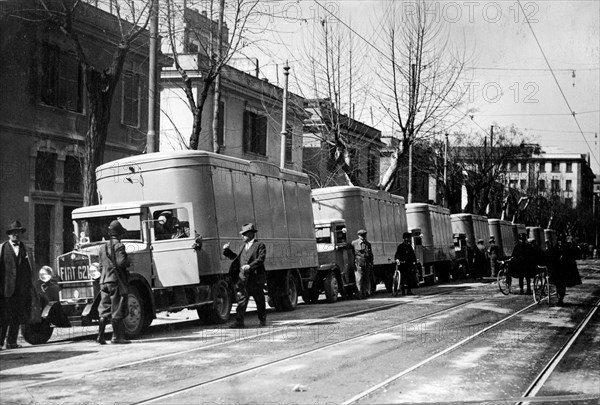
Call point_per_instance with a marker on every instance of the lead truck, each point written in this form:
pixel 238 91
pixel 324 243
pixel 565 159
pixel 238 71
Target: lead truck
pixel 179 208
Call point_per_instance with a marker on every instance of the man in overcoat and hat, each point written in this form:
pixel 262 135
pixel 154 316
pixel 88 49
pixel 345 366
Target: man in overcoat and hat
pixel 247 272
pixel 406 258
pixel 16 286
pixel 363 261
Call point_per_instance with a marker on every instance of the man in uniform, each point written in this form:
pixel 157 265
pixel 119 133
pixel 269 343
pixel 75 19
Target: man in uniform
pixel 16 286
pixel 248 273
pixel 405 257
pixel 114 281
pixel 363 260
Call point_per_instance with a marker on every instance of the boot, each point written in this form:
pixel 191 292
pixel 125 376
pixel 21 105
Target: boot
pixel 119 333
pixel 402 290
pixel 101 327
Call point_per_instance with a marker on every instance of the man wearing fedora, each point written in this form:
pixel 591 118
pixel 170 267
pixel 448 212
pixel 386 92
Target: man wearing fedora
pixel 363 260
pixel 247 272
pixel 16 286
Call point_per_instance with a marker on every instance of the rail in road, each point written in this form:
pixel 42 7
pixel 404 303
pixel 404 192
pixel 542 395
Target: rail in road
pixel 174 395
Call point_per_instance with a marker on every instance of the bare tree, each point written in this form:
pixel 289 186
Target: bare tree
pixel 210 46
pixel 100 81
pixel 420 77
pixel 326 76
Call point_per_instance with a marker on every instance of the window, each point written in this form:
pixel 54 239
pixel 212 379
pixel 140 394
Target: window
pixel 73 176
pixel 522 167
pixel 221 124
pixel 62 80
pixel 542 166
pixel 569 185
pixel 45 171
pixel 255 133
pixel 569 167
pixel 556 167
pixel 509 167
pixel 555 186
pixel 131 99
pixel 542 185
pixel 512 184
pixel 569 202
pixel 288 143
pixel 523 184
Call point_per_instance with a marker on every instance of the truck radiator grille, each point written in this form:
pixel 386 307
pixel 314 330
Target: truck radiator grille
pixel 77 291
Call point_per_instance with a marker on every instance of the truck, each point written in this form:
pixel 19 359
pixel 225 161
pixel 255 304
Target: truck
pixel 179 208
pixel 474 228
pixel 435 248
pixel 503 234
pixel 381 214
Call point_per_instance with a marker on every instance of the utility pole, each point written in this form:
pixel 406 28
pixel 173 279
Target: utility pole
pixel 286 73
pixel 445 200
pixel 151 138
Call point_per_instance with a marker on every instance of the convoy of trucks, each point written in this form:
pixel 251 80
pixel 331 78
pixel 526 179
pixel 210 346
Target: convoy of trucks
pixel 180 208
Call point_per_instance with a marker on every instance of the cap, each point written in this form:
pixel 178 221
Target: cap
pixel 361 232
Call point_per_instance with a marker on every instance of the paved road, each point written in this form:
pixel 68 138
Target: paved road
pixel 455 342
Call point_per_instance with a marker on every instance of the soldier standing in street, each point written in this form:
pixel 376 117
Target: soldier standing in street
pixel 247 272
pixel 114 281
pixel 405 257
pixel 363 260
pixel 16 287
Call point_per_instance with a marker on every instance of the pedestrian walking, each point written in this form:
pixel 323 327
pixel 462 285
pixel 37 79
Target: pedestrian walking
pixel 480 260
pixel 494 255
pixel 562 268
pixel 363 261
pixel 114 281
pixel 247 272
pixel 18 299
pixel 523 263
pixel 405 257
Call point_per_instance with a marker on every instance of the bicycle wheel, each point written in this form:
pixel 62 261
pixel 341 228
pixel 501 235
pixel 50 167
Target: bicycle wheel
pixel 396 284
pixel 539 288
pixel 504 282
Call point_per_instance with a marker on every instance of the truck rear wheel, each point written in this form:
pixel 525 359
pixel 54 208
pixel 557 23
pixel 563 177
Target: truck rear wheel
pixel 289 300
pixel 331 287
pixel 136 317
pixel 37 333
pixel 220 309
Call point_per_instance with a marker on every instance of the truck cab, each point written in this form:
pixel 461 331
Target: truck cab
pixel 336 259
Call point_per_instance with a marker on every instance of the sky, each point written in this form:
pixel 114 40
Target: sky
pixel 529 72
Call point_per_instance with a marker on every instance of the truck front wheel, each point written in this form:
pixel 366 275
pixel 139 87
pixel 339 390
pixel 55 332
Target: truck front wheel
pixel 37 333
pixel 136 318
pixel 331 287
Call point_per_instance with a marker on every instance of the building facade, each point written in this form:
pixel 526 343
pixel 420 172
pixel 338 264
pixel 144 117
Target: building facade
pixel 43 118
pixel 250 112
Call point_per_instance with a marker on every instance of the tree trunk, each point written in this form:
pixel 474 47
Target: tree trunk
pixel 195 137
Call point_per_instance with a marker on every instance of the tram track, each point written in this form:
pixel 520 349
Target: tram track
pixel 238 339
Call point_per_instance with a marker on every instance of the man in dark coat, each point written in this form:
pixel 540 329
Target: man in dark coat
pixel 562 268
pixel 16 286
pixel 114 280
pixel 494 255
pixel 248 273
pixel 480 260
pixel 405 257
pixel 363 261
pixel 523 263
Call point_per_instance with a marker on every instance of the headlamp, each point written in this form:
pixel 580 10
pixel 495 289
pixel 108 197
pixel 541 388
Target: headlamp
pixel 45 274
pixel 94 271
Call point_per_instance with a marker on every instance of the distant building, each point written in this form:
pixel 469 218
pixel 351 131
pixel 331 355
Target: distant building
pixel 250 112
pixel 363 143
pixel 565 175
pixel 43 117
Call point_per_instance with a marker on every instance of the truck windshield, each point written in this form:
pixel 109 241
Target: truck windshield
pixel 91 230
pixel 323 235
pixel 340 234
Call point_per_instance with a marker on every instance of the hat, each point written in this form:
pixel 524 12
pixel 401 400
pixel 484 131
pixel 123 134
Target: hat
pixel 116 229
pixel 248 228
pixel 15 226
pixel 492 239
pixel 480 241
pixel 361 232
pixel 531 240
pixel 406 235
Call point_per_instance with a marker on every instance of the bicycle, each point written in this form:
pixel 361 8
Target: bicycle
pixel 504 278
pixel 542 288
pixel 396 281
